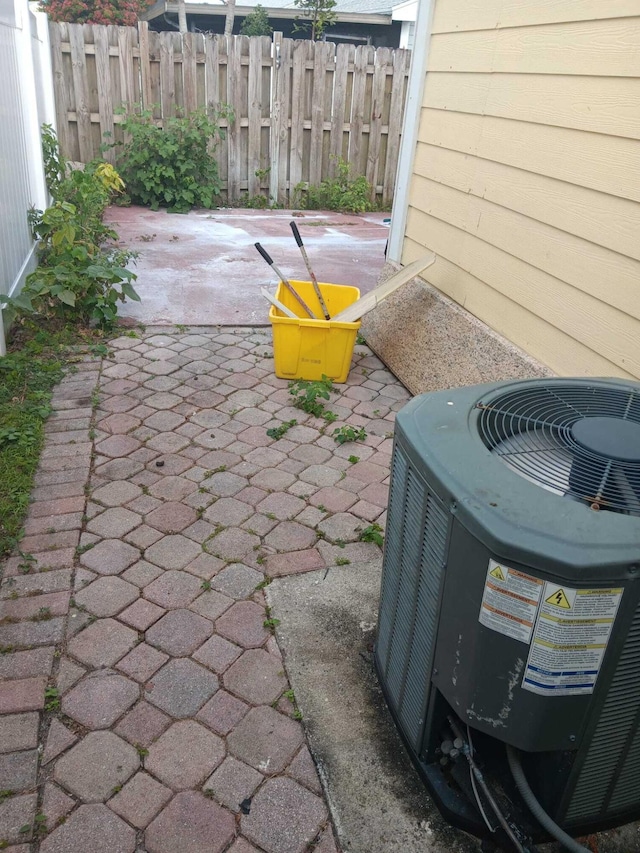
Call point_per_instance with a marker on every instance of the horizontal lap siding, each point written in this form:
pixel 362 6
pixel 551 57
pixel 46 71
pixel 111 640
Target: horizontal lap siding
pixel 527 175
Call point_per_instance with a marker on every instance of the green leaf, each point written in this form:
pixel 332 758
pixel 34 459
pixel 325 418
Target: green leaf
pixel 129 291
pixel 68 297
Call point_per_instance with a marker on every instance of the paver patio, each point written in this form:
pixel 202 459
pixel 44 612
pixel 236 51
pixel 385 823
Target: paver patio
pixel 144 700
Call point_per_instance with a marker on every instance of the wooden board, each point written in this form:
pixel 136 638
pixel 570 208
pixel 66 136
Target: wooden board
pixel 562 353
pixel 345 54
pixel 600 272
pixel 81 91
pixel 145 64
pixel 458 15
pixel 600 218
pixel 606 163
pixel 593 48
pixel 596 104
pixel 369 301
pixel 591 321
pixel 105 103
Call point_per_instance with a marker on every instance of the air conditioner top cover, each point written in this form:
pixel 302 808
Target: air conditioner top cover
pixel 538 469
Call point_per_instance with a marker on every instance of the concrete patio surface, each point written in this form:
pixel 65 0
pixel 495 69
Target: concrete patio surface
pixel 202 267
pixel 146 705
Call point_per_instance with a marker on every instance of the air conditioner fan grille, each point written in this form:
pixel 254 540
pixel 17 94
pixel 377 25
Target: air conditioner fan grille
pixel 581 441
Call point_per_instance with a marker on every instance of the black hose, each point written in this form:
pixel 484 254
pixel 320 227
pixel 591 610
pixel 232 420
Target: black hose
pixel 536 809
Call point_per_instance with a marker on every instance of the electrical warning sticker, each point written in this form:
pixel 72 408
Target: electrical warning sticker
pixel 510 601
pixel 569 640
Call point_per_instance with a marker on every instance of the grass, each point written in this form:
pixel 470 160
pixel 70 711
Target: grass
pixel 29 372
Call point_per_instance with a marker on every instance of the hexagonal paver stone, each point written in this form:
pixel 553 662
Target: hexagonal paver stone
pixel 168 442
pixel 117 445
pixel 114 523
pixel 320 475
pixel 180 632
pixel 229 512
pixel 171 517
pixel 100 698
pixel 173 552
pixel 256 677
pixel 173 589
pixel 266 740
pixel 181 688
pixel 191 823
pixel 107 596
pixel 172 488
pixel 282 505
pixel 93 828
pixel 185 755
pixel 284 817
pixel 244 624
pixel 233 782
pixel 291 536
pixel 117 493
pixel 237 580
pixel 341 526
pixel 110 557
pixel 96 765
pixel 103 643
pixel 140 800
pixel 142 662
pixel 232 544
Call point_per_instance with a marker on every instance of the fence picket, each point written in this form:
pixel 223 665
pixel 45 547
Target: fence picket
pixel 189 72
pixel 145 64
pixel 345 55
pixel 297 106
pixel 81 92
pixel 375 123
pixel 103 73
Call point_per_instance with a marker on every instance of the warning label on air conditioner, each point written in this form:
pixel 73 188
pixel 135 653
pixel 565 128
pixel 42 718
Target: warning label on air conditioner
pixel 510 601
pixel 569 639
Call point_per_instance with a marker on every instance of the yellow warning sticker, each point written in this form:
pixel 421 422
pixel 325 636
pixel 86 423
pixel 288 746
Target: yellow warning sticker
pixel 497 573
pixel 559 599
pixel 510 601
pixel 569 640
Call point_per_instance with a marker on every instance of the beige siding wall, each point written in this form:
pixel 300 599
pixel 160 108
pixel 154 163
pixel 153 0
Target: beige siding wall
pixel 526 177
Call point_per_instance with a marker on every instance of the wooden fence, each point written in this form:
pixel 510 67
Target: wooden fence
pixel 297 105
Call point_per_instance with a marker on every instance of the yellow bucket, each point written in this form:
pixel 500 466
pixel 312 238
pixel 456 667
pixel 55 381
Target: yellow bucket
pixel 308 349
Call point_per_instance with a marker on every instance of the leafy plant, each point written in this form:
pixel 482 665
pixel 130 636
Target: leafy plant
pixel 278 432
pixel 123 12
pixel 316 16
pixel 353 459
pixel 373 533
pixel 342 193
pixel 256 23
pixel 307 394
pixel 76 279
pixel 51 699
pixel 349 433
pixel 27 378
pixel 172 166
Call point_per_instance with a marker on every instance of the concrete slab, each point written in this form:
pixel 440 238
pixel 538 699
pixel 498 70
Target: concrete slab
pixel 202 267
pixel 378 803
pixel 377 800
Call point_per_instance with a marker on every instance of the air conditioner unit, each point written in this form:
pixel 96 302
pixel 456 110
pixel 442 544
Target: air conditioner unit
pixel 509 611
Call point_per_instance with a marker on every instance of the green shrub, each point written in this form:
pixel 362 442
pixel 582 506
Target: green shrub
pixel 77 279
pixel 342 193
pixel 174 166
pixel 256 23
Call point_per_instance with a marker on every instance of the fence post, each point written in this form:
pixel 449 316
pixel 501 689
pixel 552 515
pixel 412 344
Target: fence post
pixel 277 85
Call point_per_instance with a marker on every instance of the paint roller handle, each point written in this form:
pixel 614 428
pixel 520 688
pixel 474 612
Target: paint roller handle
pixel 264 254
pixel 296 233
